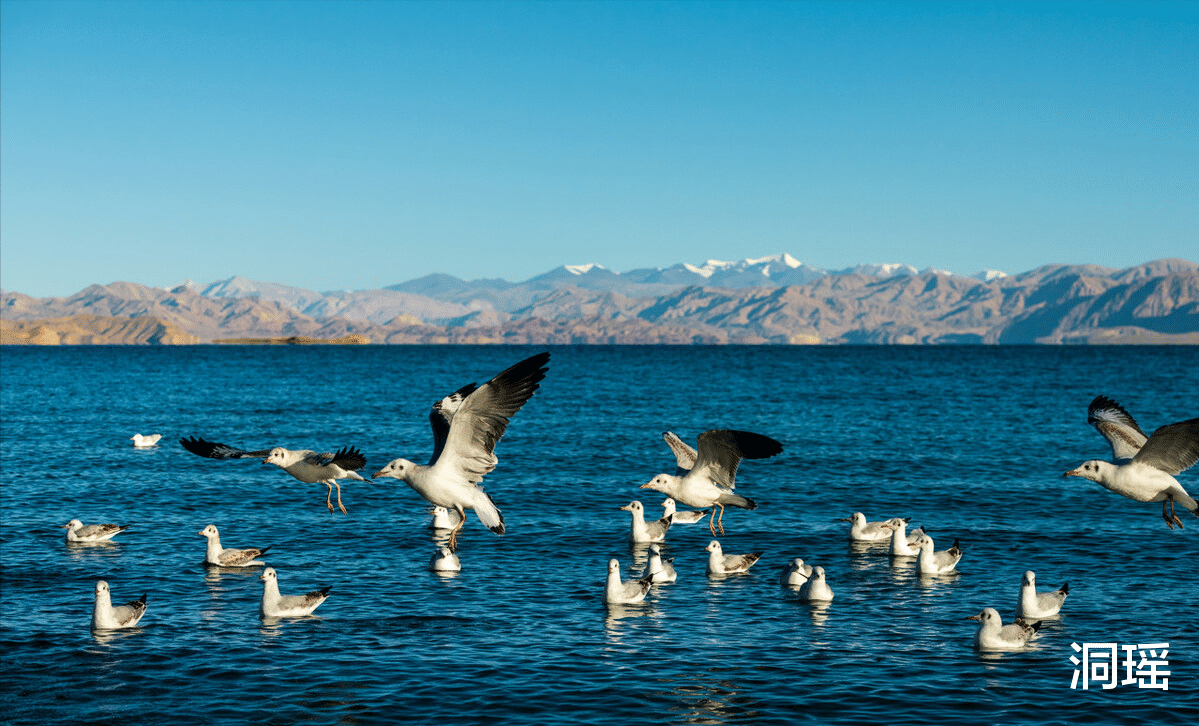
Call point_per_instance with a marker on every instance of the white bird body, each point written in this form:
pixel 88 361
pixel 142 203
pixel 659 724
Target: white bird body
pixel 710 482
pixel 929 562
pixel 993 635
pixel 669 509
pixel 443 518
pixel 444 560
pixel 228 557
pixel 862 531
pixel 641 531
pixel 79 532
pixel 1031 604
pixel 467 425
pixel 660 570
pixel 275 605
pixel 721 564
pixel 816 589
pixel 1142 467
pixel 303 464
pixel 902 543
pixel 107 617
pixel 796 573
pixel 619 592
pixel 144 442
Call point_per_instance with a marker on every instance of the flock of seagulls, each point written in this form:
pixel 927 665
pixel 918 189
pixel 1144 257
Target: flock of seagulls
pixel 468 424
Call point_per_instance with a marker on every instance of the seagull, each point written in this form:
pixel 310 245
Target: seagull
pixel 902 542
pixel 275 605
pixel 677 517
pixel 862 531
pixel 226 557
pixel 660 570
pixel 710 482
pixel 623 593
pixel 642 531
pixel 721 564
pixel 144 442
pixel 443 518
pixel 444 560
pixel 79 532
pixel 307 466
pixel 816 589
pixel 992 634
pixel 929 562
pixel 796 573
pixel 106 617
pixel 467 424
pixel 1143 467
pixel 1043 605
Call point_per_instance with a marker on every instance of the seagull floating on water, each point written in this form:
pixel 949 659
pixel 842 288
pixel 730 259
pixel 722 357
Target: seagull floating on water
pixel 144 442
pixel 1032 604
pixel 107 617
pixel 79 532
pixel 228 557
pixel 929 562
pixel 660 570
pixel 677 517
pixel 626 592
pixel 642 531
pixel 862 531
pixel 467 424
pixel 443 518
pixel 307 466
pixel 816 589
pixel 444 560
pixel 709 483
pixel 902 543
pixel 992 634
pixel 1143 467
pixel 721 564
pixel 796 573
pixel 274 605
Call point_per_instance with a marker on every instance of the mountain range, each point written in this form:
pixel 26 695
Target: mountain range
pixel 754 301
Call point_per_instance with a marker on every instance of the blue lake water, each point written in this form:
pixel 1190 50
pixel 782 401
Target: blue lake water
pixel 969 441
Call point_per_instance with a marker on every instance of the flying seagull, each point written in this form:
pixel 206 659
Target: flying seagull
pixel 1143 467
pixel 710 481
pixel 467 424
pixel 307 466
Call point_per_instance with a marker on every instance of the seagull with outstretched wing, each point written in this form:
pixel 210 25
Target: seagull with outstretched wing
pixel 309 467
pixel 467 425
pixel 1143 467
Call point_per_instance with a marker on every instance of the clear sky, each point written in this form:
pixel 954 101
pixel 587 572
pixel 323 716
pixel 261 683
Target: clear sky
pixel 353 145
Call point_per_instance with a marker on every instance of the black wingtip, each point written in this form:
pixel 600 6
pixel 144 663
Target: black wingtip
pixel 750 504
pixel 325 590
pixel 1065 589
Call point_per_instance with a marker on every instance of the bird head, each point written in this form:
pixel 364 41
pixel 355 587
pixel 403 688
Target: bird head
pixel 397 469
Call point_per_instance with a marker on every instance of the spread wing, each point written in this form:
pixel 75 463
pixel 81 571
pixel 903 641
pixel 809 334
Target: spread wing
pixel 684 455
pixel 348 458
pixel 1173 448
pixel 721 452
pixel 1117 426
pixel 482 417
pixel 442 414
pixel 211 450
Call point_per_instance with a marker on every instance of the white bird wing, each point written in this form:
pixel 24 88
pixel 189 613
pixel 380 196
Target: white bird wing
pixel 1117 426
pixel 130 611
pixel 306 601
pixel 1173 448
pixel 97 530
pixel 721 452
pixel 684 455
pixel 442 414
pixel 482 417
pixel 236 558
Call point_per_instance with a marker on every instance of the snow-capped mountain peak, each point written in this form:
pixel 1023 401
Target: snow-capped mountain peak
pixel 583 269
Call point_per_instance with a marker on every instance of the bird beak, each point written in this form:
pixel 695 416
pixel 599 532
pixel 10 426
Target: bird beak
pixel 65 526
pixel 645 486
pixel 844 519
pixel 626 508
pixel 974 617
pixel 200 533
pixel 379 473
pixel 1072 472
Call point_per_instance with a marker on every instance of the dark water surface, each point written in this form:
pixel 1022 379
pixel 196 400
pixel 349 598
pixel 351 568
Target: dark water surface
pixel 968 441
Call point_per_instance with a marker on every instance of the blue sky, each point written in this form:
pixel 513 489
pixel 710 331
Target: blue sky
pixel 354 145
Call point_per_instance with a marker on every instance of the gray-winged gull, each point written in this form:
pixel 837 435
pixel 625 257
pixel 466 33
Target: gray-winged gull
pixel 660 570
pixel 721 564
pixel 308 466
pixel 992 634
pixel 79 532
pixel 225 556
pixel 107 617
pixel 930 562
pixel 1143 467
pixel 1032 604
pixel 144 442
pixel 642 531
pixel 467 425
pixel 710 482
pixel 816 589
pixel 274 605
pixel 618 592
